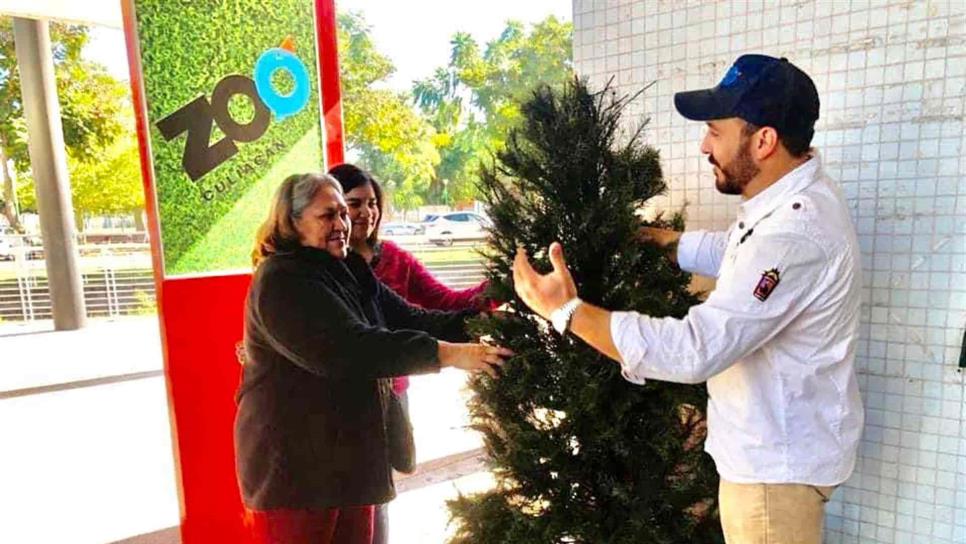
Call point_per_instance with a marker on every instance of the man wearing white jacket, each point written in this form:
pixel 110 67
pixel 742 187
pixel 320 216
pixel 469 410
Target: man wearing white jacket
pixel 775 340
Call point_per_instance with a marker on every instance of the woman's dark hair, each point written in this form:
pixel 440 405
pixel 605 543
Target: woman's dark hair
pixel 278 233
pixel 351 176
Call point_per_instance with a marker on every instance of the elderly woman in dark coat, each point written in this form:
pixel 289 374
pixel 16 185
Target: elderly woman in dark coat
pixel 323 339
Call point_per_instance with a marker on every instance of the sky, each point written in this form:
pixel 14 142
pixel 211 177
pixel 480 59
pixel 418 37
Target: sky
pixel 415 34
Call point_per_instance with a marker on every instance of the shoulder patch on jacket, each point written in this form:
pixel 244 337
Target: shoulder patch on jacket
pixel 769 280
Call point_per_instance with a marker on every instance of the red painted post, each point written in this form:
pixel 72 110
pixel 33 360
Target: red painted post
pixel 329 74
pixel 201 319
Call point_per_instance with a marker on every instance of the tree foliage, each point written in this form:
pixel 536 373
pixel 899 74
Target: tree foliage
pixel 391 139
pixel 463 110
pixel 106 181
pixel 91 104
pixel 581 455
pixel 86 91
pixel 474 100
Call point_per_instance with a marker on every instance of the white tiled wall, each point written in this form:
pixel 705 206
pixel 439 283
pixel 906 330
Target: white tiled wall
pixel 892 78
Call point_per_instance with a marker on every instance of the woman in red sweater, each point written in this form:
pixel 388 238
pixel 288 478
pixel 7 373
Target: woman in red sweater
pixel 393 265
pixel 398 269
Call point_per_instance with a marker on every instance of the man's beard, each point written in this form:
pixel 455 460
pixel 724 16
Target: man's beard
pixel 739 173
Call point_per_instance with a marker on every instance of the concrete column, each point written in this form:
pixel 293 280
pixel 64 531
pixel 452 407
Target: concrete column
pixel 48 163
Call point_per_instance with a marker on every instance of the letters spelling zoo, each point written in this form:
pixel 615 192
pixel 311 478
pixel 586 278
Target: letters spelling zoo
pixel 196 117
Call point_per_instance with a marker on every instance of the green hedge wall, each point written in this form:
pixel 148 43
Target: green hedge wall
pixel 186 48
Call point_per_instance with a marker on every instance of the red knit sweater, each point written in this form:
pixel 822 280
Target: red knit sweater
pixel 405 275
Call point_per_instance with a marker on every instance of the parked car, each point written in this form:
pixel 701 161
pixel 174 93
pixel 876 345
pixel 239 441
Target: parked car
pixel 402 229
pixel 6 249
pixel 448 227
pixel 22 246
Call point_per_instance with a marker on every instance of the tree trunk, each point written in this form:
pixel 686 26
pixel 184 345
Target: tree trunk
pixel 10 210
pixel 139 220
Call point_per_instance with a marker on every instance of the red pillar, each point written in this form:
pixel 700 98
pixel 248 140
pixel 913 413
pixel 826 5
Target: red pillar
pixel 201 320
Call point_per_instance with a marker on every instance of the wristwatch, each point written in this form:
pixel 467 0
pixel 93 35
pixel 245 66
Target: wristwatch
pixel 560 318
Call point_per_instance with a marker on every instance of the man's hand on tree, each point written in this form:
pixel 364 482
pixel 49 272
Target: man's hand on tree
pixel 543 293
pixel 665 239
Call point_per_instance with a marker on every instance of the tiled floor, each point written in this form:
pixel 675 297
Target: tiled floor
pixel 87 459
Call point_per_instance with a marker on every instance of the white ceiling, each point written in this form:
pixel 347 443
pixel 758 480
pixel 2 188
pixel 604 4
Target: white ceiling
pixel 89 12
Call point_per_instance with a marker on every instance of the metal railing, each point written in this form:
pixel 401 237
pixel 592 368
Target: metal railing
pixel 118 279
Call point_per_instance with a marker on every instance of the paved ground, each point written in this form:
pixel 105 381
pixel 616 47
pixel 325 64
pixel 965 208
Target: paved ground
pixel 85 450
pixel 31 355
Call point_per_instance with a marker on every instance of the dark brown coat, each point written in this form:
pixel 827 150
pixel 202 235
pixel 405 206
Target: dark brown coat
pixel 323 336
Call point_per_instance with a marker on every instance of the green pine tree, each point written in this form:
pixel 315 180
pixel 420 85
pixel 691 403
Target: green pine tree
pixel 581 455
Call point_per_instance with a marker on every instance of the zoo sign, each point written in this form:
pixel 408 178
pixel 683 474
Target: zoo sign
pixel 198 117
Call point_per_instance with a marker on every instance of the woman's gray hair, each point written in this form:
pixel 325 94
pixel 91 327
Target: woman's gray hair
pixel 278 232
pixel 307 187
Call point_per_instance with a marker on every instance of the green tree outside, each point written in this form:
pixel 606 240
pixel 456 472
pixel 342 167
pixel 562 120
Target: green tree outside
pixel 391 139
pixel 474 101
pixel 105 179
pixel 91 101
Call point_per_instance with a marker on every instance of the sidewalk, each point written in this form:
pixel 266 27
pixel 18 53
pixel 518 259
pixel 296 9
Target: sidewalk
pixel 32 355
pixel 86 451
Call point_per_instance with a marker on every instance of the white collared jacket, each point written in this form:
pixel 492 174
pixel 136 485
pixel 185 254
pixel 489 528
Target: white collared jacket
pixel 775 340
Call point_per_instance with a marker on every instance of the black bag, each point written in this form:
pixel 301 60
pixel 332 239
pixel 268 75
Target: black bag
pixel 402 447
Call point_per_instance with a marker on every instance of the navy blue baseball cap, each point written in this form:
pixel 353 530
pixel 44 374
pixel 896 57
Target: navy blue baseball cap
pixel 762 90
